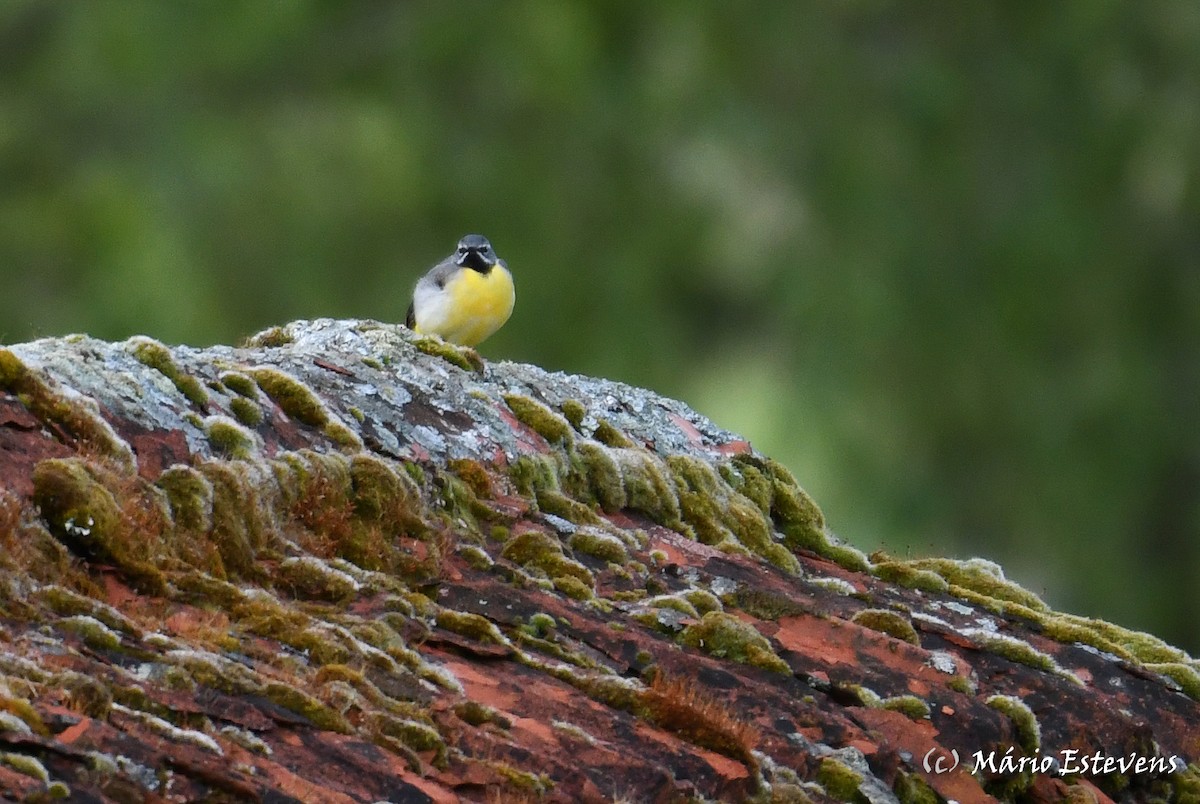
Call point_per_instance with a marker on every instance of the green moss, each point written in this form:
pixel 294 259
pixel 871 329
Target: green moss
pixel 573 731
pixel 610 436
pixel 910 706
pixel 478 714
pixel 1029 733
pixel 357 414
pixel 697 501
pixel 464 357
pixel 292 396
pixel 343 436
pixel 1019 651
pixel 96 634
pixel 846 556
pixel 65 602
pixel 530 473
pixel 765 604
pixel 983 577
pixel 476 557
pixel 58 790
pixel 748 524
pixel 79 417
pixel 792 508
pixel 541 624
pixel 309 578
pixel 887 622
pixel 598 544
pixel 101 764
pixel 377 489
pixel 536 784
pixel 460 502
pixel 306 706
pixel 839 586
pixel 341 672
pixel 725 636
pixel 539 418
pixel 415 735
pixel 240 384
pixel 840 781
pixel 1142 646
pixel 1062 629
pixel 85 694
pixel 25 765
pixel 470 625
pixel 600 476
pixel 648 488
pixel 151 353
pixel 246 411
pixel 703 601
pixel 746 473
pixel 961 684
pixel 1185 675
pixel 573 588
pixel 84 515
pixel 371 362
pixel 220 674
pixel 134 697
pixel 1187 784
pixel 414 472
pixel 538 549
pixel 695 483
pixel 674 602
pixel 474 474
pixel 190 495
pixel 320 646
pixel 910 788
pixel 908 576
pixel 25 712
pixel 574 411
pixel 720 515
pixel 551 501
pixel 202 588
pixel 237 530
pixel 272 338
pixel 804 536
pixel 229 438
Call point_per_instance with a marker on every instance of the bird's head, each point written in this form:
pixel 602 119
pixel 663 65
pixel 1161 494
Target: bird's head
pixel 475 252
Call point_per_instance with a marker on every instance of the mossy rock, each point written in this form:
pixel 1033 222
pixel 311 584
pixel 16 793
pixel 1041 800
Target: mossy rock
pixel 725 636
pixel 78 509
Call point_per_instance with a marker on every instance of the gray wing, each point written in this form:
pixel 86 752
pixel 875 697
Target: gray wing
pixel 433 281
pixel 439 273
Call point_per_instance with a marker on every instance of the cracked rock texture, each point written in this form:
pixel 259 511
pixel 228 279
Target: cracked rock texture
pixel 347 563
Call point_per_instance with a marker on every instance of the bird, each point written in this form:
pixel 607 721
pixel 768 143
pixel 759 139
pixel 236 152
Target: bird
pixel 466 297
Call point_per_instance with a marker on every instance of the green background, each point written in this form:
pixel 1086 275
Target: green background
pixel 942 260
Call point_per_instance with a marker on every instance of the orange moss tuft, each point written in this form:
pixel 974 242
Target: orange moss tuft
pixel 325 511
pixel 209 629
pixel 10 516
pixel 679 706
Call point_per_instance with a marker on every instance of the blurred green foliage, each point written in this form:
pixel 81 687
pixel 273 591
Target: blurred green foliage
pixel 942 260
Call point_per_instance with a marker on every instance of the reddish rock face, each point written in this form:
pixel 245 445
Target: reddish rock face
pixel 404 579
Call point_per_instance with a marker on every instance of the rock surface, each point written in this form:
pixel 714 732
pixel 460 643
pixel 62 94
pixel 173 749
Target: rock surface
pixel 347 563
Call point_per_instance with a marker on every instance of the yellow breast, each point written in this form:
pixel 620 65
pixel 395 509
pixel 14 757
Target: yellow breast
pixel 473 306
